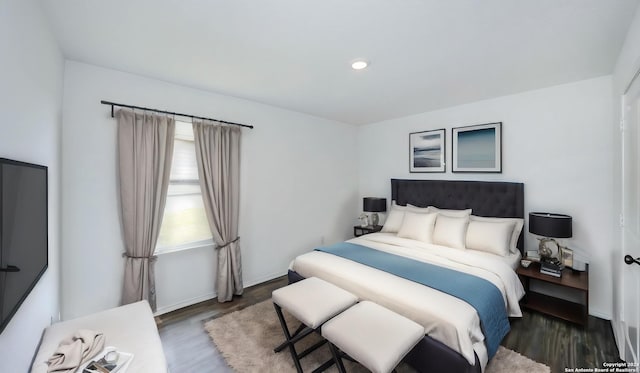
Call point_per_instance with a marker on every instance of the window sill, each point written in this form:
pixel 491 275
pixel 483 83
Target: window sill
pixel 191 246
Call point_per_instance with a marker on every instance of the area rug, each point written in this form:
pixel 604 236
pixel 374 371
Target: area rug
pixel 246 339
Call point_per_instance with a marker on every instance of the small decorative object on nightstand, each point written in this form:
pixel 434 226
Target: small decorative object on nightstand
pixel 374 205
pixel 567 256
pixel 364 220
pixel 359 231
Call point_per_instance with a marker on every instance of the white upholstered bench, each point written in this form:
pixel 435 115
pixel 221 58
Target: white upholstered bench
pixel 129 328
pixel 311 301
pixel 372 335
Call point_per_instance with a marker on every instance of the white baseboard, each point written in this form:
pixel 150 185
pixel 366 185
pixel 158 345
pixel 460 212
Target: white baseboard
pixel 264 278
pixel 184 303
pixel 602 315
pixel 202 298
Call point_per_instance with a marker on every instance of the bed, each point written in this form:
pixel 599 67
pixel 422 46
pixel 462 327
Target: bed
pixel 454 340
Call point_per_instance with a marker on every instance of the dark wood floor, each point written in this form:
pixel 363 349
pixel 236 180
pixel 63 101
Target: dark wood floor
pixel 551 341
pixel 560 344
pixel 187 345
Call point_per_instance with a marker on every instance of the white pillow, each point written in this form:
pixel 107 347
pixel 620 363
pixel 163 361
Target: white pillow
pixel 450 231
pixel 450 213
pixel 394 220
pixel 394 205
pixel 492 237
pixel 419 210
pixel 417 226
pixel 517 229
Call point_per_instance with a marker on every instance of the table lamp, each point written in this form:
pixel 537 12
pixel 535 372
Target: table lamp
pixel 374 205
pixel 549 226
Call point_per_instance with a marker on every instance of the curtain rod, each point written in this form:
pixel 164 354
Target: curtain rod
pixel 112 104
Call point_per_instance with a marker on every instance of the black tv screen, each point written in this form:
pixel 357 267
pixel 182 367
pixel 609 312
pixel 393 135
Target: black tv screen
pixel 23 233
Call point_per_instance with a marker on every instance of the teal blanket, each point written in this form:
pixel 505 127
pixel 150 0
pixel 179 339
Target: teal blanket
pixel 478 292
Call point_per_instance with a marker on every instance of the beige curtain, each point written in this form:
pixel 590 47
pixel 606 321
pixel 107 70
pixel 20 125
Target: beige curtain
pixel 218 155
pixel 145 148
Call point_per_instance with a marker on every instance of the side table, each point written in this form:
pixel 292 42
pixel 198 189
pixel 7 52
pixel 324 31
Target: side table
pixel 554 306
pixel 359 230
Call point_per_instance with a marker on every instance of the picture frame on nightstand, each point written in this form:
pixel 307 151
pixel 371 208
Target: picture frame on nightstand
pixel 533 255
pixel 566 256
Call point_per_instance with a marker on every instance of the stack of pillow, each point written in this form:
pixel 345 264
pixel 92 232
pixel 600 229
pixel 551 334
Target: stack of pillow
pixel 454 228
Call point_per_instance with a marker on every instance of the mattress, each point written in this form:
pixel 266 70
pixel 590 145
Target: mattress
pixel 445 318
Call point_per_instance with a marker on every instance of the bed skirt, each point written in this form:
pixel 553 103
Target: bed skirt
pixel 429 355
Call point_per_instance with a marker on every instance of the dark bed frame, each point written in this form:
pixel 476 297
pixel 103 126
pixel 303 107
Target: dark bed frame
pixel 486 198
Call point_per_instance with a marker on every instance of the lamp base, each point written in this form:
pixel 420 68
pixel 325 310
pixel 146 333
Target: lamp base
pixel 548 248
pixel 375 219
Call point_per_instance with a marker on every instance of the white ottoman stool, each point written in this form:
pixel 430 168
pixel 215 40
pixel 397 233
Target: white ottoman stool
pixel 311 301
pixel 372 335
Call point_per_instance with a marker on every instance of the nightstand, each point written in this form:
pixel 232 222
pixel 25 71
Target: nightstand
pixel 359 230
pixel 561 308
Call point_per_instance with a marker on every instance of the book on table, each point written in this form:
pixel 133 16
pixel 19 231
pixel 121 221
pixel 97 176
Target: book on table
pixel 551 266
pixel 551 272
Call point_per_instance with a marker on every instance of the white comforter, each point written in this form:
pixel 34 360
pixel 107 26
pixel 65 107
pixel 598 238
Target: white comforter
pixel 445 318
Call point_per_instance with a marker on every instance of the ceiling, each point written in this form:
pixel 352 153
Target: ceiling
pixel 296 54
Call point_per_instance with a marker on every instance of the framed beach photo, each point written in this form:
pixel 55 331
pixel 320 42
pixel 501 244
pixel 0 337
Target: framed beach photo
pixel 477 148
pixel 427 151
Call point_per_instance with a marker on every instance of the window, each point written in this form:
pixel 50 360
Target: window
pixel 184 224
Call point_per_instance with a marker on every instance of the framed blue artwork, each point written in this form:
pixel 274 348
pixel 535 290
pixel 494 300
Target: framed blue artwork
pixel 477 148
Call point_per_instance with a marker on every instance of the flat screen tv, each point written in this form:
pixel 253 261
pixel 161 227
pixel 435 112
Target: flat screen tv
pixel 23 233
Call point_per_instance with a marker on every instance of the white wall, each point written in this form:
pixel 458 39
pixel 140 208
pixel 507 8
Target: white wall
pixel 298 185
pixel 31 68
pixel 627 65
pixel 557 141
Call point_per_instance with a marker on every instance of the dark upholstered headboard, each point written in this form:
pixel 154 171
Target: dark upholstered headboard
pixel 486 198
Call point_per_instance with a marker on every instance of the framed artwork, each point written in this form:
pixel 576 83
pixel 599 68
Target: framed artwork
pixel 567 257
pixel 427 151
pixel 477 148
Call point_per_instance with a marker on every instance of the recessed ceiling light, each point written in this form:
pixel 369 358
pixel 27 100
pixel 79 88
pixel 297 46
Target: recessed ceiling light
pixel 359 65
